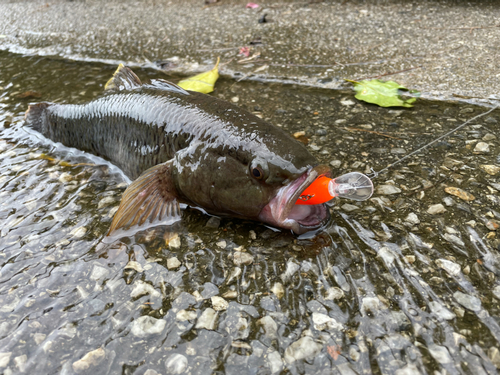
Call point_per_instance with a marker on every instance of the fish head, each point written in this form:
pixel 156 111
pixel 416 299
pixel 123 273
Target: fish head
pixel 258 184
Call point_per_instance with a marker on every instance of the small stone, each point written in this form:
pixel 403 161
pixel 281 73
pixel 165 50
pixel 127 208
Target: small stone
pixel 133 265
pixel 489 137
pixel 370 304
pixel 142 288
pixel 213 222
pixel 494 356
pixel 467 301
pixel 219 303
pixel 336 163
pixel 269 325
pixel 106 202
pixel 412 219
pixel 303 348
pixel 39 338
pixel 222 244
pixel 278 290
pixel 207 320
pixel 147 325
pixel 98 273
pixel 235 99
pixel 492 225
pixel 275 362
pixel 334 293
pixel 65 177
pixel 172 240
pixel 440 354
pixel 230 294
pixel 322 322
pixel 349 207
pixel 482 148
pixel 4 359
pixel 252 235
pixel 450 267
pixel 185 315
pixel 78 232
pixel 462 194
pixel 441 311
pixel 436 209
pixel 448 201
pixel 347 102
pixel 176 364
pixel 20 362
pixel 173 263
pixel 92 358
pixel 388 190
pixel 496 292
pixel 490 169
pixel 241 258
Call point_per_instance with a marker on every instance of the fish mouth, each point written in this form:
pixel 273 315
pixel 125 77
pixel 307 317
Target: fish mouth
pixel 282 211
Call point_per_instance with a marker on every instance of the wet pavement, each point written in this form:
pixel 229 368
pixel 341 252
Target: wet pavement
pixel 405 283
pixel 445 49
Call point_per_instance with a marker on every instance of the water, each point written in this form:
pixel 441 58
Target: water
pixel 385 288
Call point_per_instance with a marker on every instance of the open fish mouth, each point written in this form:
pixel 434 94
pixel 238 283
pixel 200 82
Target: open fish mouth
pixel 282 211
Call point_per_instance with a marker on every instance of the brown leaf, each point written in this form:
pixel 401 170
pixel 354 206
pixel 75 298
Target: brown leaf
pixel 462 194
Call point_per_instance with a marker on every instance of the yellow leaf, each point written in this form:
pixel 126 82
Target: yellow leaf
pixel 203 82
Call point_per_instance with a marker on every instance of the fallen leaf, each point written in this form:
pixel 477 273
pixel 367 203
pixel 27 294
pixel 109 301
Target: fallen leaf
pixel 203 82
pixel 334 351
pixel 252 5
pixel 462 194
pixel 382 93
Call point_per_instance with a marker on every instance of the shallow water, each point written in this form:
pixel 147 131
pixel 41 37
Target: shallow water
pixel 386 287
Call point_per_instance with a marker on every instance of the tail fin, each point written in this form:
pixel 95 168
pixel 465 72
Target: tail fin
pixel 35 116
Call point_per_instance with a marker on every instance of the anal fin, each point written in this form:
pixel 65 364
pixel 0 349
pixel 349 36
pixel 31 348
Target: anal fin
pixel 149 200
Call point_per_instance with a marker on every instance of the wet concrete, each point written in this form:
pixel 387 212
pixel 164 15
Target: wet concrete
pixel 405 283
pixel 445 49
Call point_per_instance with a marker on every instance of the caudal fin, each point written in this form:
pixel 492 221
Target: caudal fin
pixel 35 116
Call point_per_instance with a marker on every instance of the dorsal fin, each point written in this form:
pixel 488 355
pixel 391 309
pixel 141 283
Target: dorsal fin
pixel 161 84
pixel 123 79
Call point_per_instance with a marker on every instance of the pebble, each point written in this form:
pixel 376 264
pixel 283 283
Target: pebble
pixel 219 303
pixel 235 99
pixel 65 177
pixel 172 240
pixel 370 304
pixel 489 137
pixel 349 207
pixel 142 288
pixel 448 201
pixel 467 301
pixel 241 258
pixel 334 293
pixel 278 290
pixel 490 169
pixel 482 147
pixel 336 163
pixel 222 244
pixel 133 265
pixel 303 348
pixel 147 325
pixel 92 358
pixel 185 315
pixel 322 322
pixel 436 209
pixel 440 354
pixel 20 362
pixel 441 311
pixel 275 362
pixel 173 263
pixel 252 235
pixel 492 225
pixel 98 273
pixel 398 150
pixel 462 194
pixel 388 190
pixel 347 102
pixel 176 364
pixel 209 290
pixel 78 232
pixel 213 222
pixel 496 292
pixel 269 325
pixel 450 267
pixel 412 218
pixel 494 356
pixel 4 359
pixel 207 319
pixel 106 202
pixel 39 338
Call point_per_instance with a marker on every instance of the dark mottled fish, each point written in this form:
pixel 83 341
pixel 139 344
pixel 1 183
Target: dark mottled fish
pixel 183 146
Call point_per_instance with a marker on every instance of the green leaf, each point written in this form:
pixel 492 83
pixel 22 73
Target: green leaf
pixel 382 93
pixel 203 82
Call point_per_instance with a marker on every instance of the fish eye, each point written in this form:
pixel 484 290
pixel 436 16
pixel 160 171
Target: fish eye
pixel 258 169
pixel 257 173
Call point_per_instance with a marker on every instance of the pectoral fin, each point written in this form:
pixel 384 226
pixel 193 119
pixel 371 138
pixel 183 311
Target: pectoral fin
pixel 148 201
pixel 123 79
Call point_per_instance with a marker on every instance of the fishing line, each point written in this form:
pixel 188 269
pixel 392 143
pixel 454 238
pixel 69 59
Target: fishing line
pixel 375 174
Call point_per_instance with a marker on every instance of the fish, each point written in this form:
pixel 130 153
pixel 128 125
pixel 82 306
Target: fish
pixel 180 146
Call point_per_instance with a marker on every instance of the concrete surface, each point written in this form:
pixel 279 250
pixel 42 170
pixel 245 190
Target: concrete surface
pixel 445 49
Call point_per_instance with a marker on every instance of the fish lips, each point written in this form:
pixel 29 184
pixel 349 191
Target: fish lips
pixel 282 211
